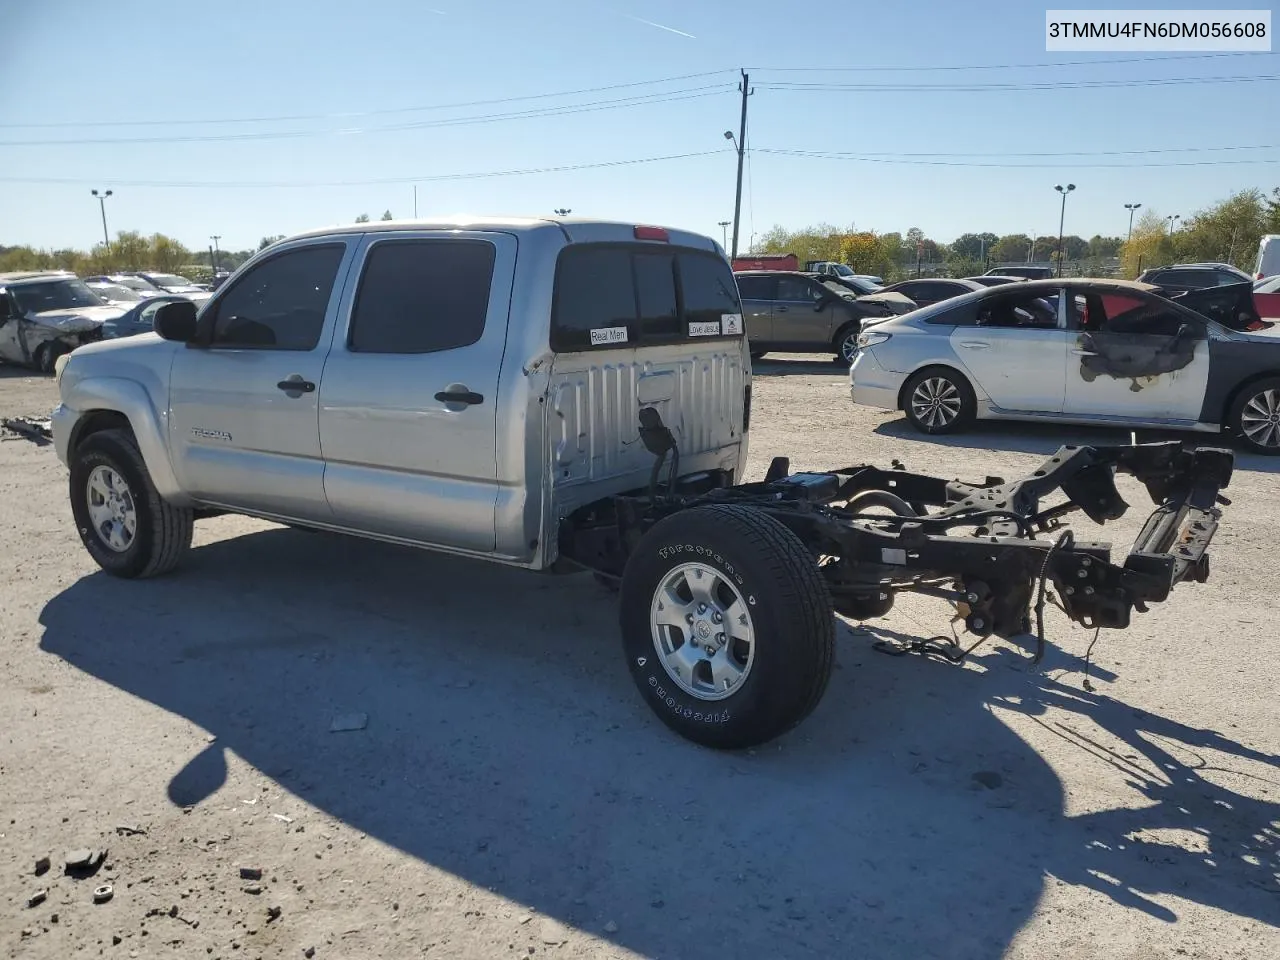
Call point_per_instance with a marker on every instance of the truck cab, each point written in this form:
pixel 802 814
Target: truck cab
pixel 462 386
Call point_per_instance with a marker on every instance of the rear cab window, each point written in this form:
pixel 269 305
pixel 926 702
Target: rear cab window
pixel 610 294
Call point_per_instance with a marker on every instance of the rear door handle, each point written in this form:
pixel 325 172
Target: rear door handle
pixel 1084 353
pixel 459 396
pixel 296 384
pixel 975 344
pixel 780 309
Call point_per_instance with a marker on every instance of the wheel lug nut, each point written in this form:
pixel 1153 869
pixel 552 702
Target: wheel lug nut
pixel 702 608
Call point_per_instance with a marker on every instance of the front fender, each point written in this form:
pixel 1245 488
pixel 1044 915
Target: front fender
pixel 128 397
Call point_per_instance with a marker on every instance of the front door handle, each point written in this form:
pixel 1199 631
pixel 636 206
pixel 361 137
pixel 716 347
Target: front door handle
pixel 1084 353
pixel 467 397
pixel 295 384
pixel 780 310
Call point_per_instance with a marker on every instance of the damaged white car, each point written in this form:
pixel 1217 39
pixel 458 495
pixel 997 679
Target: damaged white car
pixel 46 315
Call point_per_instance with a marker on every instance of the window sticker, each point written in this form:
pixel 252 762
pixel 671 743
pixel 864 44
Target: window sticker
pixel 604 335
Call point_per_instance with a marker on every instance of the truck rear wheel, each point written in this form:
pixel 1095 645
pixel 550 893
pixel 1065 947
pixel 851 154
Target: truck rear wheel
pixel 124 523
pixel 727 626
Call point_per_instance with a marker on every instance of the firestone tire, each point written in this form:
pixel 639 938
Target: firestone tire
pixel 746 565
pixel 161 532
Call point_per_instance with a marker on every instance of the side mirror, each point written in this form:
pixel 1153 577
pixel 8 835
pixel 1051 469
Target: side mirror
pixel 177 321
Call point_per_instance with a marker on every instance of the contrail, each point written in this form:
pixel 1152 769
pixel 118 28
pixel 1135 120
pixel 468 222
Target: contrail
pixel 650 23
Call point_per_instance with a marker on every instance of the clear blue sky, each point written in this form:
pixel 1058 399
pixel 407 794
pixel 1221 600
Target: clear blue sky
pixel 66 63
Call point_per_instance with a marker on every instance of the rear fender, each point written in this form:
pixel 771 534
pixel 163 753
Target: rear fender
pixel 129 398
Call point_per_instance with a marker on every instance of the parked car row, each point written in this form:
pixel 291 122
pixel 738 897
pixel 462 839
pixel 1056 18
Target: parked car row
pixel 47 313
pixel 1081 351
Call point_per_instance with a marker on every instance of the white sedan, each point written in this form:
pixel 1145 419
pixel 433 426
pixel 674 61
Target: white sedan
pixel 1104 352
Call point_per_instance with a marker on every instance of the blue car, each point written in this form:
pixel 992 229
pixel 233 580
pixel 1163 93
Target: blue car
pixel 140 319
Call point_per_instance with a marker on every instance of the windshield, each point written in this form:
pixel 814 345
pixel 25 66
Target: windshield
pixel 135 283
pixel 170 280
pixel 115 291
pixel 54 295
pixel 842 269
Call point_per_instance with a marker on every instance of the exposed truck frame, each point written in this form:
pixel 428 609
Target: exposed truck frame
pixel 987 548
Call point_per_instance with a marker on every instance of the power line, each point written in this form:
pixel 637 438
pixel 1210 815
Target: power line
pixel 692 93
pixel 1010 66
pixel 282 118
pixel 793 87
pixel 866 158
pixel 1047 153
pixel 430 178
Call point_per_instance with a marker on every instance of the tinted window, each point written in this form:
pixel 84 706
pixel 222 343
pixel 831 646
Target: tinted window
pixel 281 302
pixel 594 291
pixel 656 289
pixel 422 296
pixel 797 288
pixel 615 293
pixel 707 288
pixel 1186 278
pixel 757 288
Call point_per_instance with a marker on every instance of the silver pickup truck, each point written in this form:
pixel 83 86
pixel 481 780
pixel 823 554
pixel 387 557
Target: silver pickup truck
pixel 567 396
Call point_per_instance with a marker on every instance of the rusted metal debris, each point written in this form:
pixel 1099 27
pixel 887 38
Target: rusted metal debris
pixel 38 431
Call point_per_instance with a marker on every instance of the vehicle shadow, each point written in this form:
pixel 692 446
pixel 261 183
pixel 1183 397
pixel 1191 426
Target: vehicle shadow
pixel 785 366
pixel 9 371
pixel 506 745
pixel 1045 438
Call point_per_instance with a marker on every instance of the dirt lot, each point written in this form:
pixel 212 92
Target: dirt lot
pixel 511 795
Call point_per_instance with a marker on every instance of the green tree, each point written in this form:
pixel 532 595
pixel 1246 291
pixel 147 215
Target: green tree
pixel 1147 244
pixel 386 215
pixel 167 255
pixel 819 242
pixel 363 218
pixel 973 246
pixel 1011 248
pixel 268 241
pixel 1227 231
pixel 1100 246
pixel 131 250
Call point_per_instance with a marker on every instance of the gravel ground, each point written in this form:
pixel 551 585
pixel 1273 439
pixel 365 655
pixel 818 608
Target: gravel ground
pixel 511 796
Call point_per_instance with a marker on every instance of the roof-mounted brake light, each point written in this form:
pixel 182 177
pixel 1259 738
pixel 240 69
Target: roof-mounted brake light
pixel 652 233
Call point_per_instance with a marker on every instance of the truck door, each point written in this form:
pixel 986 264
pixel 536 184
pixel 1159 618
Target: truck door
pixel 242 409
pixel 803 314
pixel 408 404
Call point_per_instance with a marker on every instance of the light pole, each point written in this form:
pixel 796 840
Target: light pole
pixel 1171 218
pixel 102 204
pixel 724 231
pixel 1062 217
pixel 563 211
pixel 215 238
pixel 1131 207
pixel 740 144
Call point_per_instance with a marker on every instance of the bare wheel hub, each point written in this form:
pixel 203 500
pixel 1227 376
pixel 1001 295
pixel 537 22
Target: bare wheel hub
pixel 112 511
pixel 702 631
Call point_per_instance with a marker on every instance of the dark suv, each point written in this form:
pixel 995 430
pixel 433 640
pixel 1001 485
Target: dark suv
pixel 796 313
pixel 1193 276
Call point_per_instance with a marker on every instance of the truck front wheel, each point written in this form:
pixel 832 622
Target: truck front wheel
pixel 727 626
pixel 124 523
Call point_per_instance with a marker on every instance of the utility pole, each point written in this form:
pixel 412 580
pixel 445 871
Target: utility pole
pixel 741 144
pixel 1131 207
pixel 215 238
pixel 1062 219
pixel 724 232
pixel 102 204
pixel 415 201
pixel 1171 218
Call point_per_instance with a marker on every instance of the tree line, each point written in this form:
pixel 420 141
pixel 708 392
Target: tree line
pixel 131 250
pixel 1226 232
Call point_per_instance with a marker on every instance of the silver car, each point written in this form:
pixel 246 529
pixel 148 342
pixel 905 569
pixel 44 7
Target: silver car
pixel 1079 351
